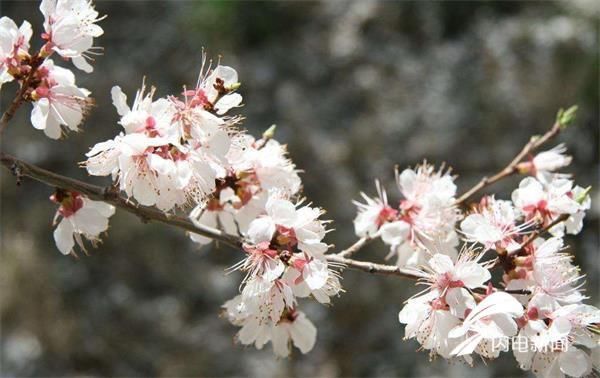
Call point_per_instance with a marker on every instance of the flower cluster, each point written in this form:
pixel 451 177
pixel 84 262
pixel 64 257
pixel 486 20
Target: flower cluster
pixel 461 312
pixel 171 149
pixel 284 261
pixel 69 30
pixel 423 220
pixel 253 170
pixel 182 152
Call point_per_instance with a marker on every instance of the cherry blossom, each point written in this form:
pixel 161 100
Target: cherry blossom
pixel 153 162
pixel 545 163
pixel 290 225
pixel 70 28
pixel 554 339
pixel 58 101
pixel 574 222
pixel 294 328
pixel 14 47
pixel 487 325
pixel 447 299
pixel 549 271
pixel 428 321
pixel 80 217
pixel 153 118
pixel 545 202
pixel 374 213
pixel 493 224
pixel 254 169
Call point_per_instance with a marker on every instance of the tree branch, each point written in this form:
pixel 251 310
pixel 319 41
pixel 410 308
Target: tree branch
pixel 511 168
pixel 357 246
pixel 109 195
pixel 373 268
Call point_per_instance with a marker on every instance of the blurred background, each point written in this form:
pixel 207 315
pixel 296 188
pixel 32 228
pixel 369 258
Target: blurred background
pixel 355 88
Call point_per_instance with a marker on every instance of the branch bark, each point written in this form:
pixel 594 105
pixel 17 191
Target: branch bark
pixel 373 268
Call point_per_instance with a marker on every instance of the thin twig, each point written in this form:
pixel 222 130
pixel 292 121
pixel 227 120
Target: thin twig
pixel 357 246
pixel 512 167
pixel 370 267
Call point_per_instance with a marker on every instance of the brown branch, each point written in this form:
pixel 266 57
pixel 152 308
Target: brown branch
pixel 354 247
pixel 512 167
pixel 109 195
pixel 370 267
pixel 12 109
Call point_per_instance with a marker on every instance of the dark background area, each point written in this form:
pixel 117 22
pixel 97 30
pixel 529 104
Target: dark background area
pixel 355 88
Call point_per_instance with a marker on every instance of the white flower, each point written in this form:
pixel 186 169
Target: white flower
pixel 217 86
pixel 14 45
pixel 425 185
pixel 268 163
pixel 561 282
pixel 58 101
pixel 291 225
pixel 551 160
pixel 493 225
pixel 312 276
pixel 554 338
pixel 445 275
pixel 428 211
pixel 147 116
pixel 80 217
pixel 267 299
pixel 294 328
pixel 431 316
pixel 395 233
pixel 262 261
pixel 70 27
pixel 545 202
pixel 489 323
pixel 374 213
pixel 225 215
pixel 574 223
pixel 429 322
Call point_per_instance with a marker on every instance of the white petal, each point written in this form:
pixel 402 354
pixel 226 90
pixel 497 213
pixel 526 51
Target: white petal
pixel 575 362
pixel 282 211
pixel 82 64
pixel 471 274
pixel 441 263
pixel 280 339
pixel 227 102
pixel 304 333
pixel 261 230
pixel 315 274
pixel 63 236
pixel 394 233
pixel 119 100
